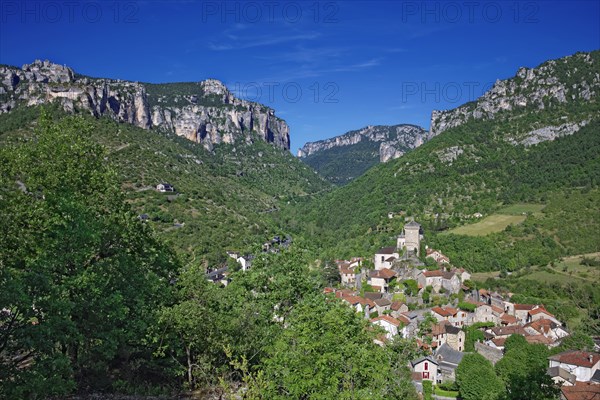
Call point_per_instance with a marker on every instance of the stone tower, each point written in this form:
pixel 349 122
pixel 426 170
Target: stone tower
pixel 411 238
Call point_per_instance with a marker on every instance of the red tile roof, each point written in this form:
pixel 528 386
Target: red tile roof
pixel 445 312
pixel 538 339
pixel 508 319
pixel 396 305
pixel 525 307
pixel 431 274
pixel 499 342
pixel 388 319
pixel 386 273
pixel 540 310
pixel 542 325
pixel 581 391
pixel 575 357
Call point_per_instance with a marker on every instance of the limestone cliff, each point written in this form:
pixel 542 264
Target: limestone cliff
pixel 205 112
pixel 342 158
pixel 393 140
pixel 565 82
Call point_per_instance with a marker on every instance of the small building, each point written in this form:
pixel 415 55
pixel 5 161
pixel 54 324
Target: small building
pixel 385 257
pixel 426 367
pixel 448 360
pixel 391 325
pixel 582 364
pixel 382 279
pixel 444 333
pixel 165 187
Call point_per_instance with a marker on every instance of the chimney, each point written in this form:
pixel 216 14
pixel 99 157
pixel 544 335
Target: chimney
pixel 590 358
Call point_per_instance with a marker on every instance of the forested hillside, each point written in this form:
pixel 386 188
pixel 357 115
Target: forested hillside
pixel 223 199
pixel 476 167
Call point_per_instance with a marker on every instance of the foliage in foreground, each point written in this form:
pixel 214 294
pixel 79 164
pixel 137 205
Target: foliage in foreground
pixel 80 276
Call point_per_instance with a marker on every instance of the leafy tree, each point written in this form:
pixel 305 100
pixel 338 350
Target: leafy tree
pixel 477 380
pixel 81 277
pixel 411 287
pixel 523 370
pixel 326 352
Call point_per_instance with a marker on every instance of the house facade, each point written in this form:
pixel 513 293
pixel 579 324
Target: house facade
pixel 582 364
pixel 385 257
pixel 426 367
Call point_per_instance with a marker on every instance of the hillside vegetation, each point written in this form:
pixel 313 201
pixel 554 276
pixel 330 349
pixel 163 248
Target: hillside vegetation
pixel 479 167
pixel 224 199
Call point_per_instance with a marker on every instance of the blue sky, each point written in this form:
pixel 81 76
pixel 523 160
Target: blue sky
pixel 326 67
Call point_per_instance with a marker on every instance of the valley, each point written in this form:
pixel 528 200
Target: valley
pixel 162 239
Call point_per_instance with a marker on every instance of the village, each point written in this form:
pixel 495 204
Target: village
pixel 434 303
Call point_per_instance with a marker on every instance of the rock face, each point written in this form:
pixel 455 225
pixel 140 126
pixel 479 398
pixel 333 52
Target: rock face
pixel 205 112
pixel 554 82
pixel 393 140
pixel 343 158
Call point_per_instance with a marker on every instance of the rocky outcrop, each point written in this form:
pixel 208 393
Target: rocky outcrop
pixel 549 133
pixel 205 112
pixel 394 141
pixel 553 83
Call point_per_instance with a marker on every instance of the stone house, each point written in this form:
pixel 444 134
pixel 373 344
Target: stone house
pixel 452 315
pixel 450 282
pixel 430 278
pixel 398 308
pixel 444 333
pixel 448 360
pixel 521 311
pixel 546 327
pixel 382 305
pixel 541 313
pixel 437 256
pixel 381 279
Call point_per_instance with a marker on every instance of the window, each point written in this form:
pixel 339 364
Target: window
pixel 426 367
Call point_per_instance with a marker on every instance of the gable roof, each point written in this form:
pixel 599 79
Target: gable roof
pixel 581 391
pixel 383 302
pixel 420 360
pixel 448 275
pixel 538 339
pixel 388 319
pixel 508 330
pixel 412 224
pixel 444 327
pixel 508 319
pixel 384 273
pixel 448 355
pixel 432 274
pixel 540 310
pixel 373 295
pixel 396 305
pixel 445 311
pixel 386 250
pixel 542 325
pixel 576 357
pixel 525 307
